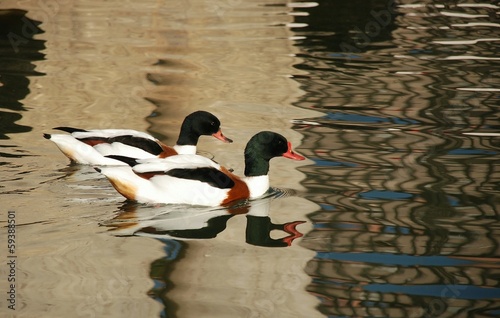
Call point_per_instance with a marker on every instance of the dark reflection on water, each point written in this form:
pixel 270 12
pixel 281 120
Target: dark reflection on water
pixel 408 225
pixel 18 49
pixel 192 222
pixel 160 271
pixel 408 217
pixel 174 224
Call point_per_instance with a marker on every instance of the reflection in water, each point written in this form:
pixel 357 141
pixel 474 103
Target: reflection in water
pixel 18 49
pixel 191 222
pixel 160 271
pixel 173 224
pixel 100 61
pixel 408 225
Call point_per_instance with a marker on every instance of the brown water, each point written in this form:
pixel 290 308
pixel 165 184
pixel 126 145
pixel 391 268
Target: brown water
pixel 401 207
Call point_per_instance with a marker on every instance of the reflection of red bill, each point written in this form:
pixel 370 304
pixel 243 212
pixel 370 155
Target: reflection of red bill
pixel 290 228
pixel 221 136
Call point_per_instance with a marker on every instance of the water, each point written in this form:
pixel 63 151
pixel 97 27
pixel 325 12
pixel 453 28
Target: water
pixel 386 99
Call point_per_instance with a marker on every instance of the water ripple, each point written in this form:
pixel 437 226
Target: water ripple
pixel 404 160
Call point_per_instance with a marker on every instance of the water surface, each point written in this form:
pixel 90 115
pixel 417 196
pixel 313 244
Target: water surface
pixel 408 225
pixel 393 102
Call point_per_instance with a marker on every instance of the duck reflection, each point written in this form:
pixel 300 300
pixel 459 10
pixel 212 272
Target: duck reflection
pixel 182 222
pixel 176 225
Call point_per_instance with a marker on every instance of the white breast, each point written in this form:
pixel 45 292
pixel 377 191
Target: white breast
pixel 257 185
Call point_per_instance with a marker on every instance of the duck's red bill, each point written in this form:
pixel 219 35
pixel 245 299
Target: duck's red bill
pixel 220 136
pixel 292 155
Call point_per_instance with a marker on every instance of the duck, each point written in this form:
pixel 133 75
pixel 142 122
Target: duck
pixel 93 147
pixel 197 180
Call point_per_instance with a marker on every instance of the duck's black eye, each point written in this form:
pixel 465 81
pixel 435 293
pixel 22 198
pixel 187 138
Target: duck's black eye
pixel 212 123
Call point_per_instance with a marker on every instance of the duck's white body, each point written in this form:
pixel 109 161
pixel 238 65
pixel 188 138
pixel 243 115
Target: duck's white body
pixel 109 133
pixel 149 182
pixel 162 188
pixel 84 153
pixel 196 180
pixel 93 146
pixel 121 149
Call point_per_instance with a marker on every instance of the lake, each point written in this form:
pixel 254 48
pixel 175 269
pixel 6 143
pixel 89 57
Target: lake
pixel 395 212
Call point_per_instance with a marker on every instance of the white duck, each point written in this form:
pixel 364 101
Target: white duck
pixel 93 146
pixel 196 180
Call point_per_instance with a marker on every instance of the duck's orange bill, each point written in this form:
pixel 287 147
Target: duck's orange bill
pixel 220 136
pixel 292 155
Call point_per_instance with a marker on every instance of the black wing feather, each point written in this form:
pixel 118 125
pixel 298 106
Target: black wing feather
pixel 70 129
pixel 130 161
pixel 212 176
pixel 145 144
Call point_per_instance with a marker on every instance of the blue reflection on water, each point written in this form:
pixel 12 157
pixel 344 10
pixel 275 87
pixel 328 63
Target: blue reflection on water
pixel 396 259
pixel 388 229
pixel 448 291
pixel 385 194
pixel 437 290
pixel 327 207
pixel 172 248
pixel 331 163
pixel 471 152
pixel 369 119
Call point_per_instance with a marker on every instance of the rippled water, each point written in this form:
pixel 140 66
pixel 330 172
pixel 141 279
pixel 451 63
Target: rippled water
pixel 409 194
pixel 395 104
